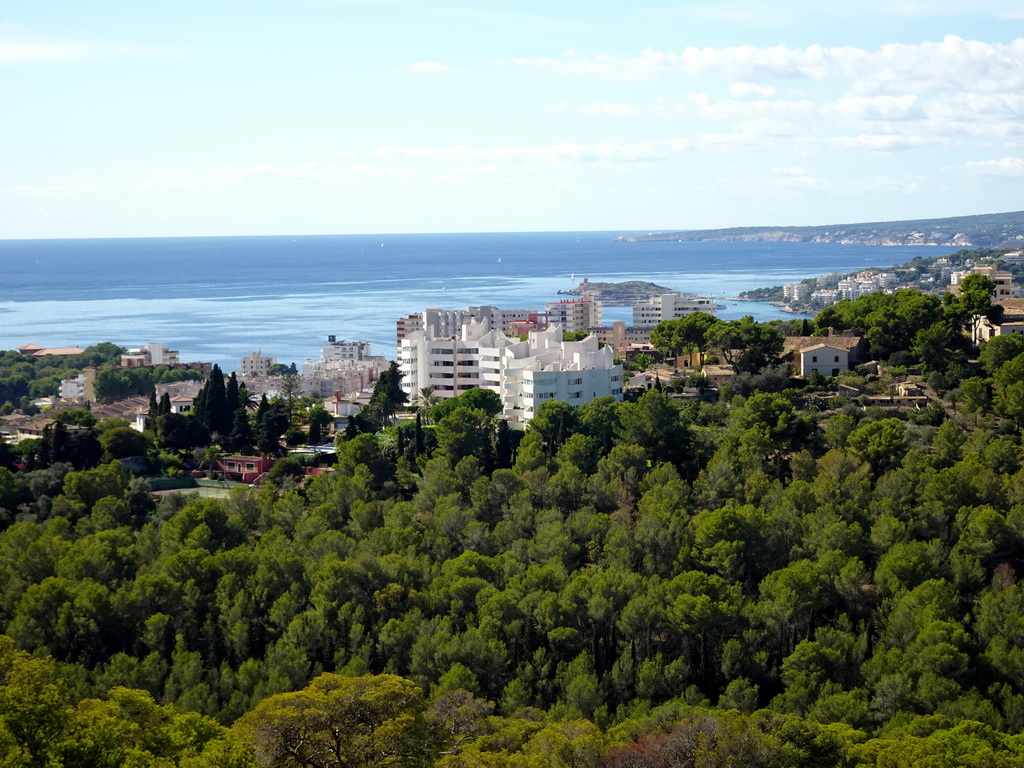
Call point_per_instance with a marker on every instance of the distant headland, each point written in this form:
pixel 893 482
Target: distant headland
pixel 990 230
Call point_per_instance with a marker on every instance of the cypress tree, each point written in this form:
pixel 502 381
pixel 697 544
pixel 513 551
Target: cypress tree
pixel 417 443
pixel 199 409
pixel 241 439
pixel 165 404
pixel 232 394
pixel 503 446
pixel 217 414
pixel 154 410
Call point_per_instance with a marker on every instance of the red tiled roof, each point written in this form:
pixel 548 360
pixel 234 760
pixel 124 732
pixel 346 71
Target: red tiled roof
pixel 60 351
pixel 797 343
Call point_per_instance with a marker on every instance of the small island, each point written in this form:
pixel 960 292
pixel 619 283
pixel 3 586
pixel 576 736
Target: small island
pixel 617 294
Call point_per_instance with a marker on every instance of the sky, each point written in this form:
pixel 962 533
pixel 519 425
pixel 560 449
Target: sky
pixel 133 119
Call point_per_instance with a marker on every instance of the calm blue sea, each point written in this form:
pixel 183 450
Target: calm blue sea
pixel 220 298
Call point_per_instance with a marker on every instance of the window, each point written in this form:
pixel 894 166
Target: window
pixel 250 467
pixel 837 358
pixel 814 358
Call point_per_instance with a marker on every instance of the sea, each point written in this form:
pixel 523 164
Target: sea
pixel 220 298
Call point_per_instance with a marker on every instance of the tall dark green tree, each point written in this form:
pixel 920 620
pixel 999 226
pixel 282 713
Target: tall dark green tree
pixel 231 394
pixel 241 439
pixel 502 445
pixel 388 395
pixel 211 405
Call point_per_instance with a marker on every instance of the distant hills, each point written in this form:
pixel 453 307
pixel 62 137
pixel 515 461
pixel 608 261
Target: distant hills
pixel 989 230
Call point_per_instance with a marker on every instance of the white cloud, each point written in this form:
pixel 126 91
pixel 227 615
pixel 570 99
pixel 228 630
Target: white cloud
pixel 608 108
pixel 874 108
pixel 880 142
pixel 1005 167
pixel 430 66
pixel 1006 9
pixel 743 90
pixel 948 64
pixel 775 109
pixel 791 171
pixel 558 154
pixel 48 53
pixel 722 142
pixel 260 174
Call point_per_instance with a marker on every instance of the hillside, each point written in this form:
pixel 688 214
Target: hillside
pixel 986 230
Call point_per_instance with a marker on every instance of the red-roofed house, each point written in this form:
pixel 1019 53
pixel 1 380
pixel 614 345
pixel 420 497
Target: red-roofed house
pixel 246 469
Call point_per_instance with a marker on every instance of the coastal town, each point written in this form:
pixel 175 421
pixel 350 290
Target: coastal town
pixel 562 352
pixel 926 275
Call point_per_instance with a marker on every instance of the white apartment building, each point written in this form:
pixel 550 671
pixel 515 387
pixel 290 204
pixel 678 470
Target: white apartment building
pixel 344 366
pixel 153 353
pixel 1003 281
pixel 72 389
pixel 574 314
pixel 522 373
pixel 255 365
pixel 850 289
pixel 823 298
pixel 796 291
pixel 669 306
pixel 448 322
pixel 829 280
pixel 344 350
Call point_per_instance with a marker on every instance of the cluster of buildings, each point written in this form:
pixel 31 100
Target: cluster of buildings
pixel 832 287
pixel 524 373
pixel 83 386
pixel 939 276
pixel 520 354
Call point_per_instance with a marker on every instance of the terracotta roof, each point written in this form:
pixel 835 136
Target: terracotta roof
pixel 61 351
pixel 29 348
pixel 797 343
pixel 825 345
pixel 1012 308
pixel 122 409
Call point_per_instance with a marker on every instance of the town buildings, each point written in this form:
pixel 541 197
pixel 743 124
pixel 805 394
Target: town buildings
pixel 669 306
pixel 150 354
pixel 448 322
pixel 522 373
pixel 796 291
pixel 255 365
pixel 574 314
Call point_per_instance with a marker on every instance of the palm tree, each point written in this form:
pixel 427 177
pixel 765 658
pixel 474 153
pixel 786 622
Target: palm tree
pixel 426 399
pixel 246 399
pixel 208 457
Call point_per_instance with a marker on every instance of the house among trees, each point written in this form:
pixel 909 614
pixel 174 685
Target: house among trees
pixel 829 355
pixel 825 358
pixel 1011 322
pixel 245 469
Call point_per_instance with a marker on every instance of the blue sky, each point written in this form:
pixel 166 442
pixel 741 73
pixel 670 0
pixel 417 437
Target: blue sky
pixel 327 116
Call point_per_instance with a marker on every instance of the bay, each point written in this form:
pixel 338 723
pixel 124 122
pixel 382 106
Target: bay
pixel 220 298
